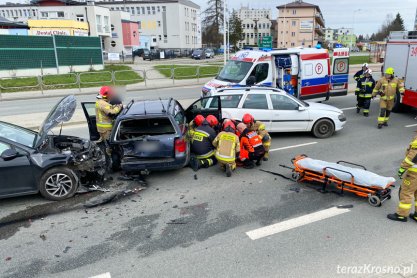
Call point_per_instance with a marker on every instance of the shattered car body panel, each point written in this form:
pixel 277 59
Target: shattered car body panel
pixel 48 163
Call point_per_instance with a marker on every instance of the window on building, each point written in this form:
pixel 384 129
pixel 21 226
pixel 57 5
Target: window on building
pixel 153 10
pixel 60 14
pixel 112 9
pixel 158 9
pixel 149 10
pixel 292 34
pixel 159 23
pixel 80 17
pixel 34 12
pixel 292 44
pixel 122 8
pixel 143 10
pixel 164 8
pixel 106 24
pixel 99 25
pixel 44 14
pixel 251 26
pixel 160 37
pixel 132 10
pixel 20 13
pixel 294 23
pixel 137 10
pixel 165 38
pixel 117 8
pixel 294 11
pixel 251 35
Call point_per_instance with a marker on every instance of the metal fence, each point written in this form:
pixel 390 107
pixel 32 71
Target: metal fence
pixel 97 78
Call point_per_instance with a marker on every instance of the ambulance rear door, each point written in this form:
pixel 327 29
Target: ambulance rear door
pixel 339 79
pixel 314 75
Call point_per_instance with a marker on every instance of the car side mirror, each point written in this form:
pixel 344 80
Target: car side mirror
pixel 301 108
pixel 9 154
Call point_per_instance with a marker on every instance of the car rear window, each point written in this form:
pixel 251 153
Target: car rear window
pixel 136 128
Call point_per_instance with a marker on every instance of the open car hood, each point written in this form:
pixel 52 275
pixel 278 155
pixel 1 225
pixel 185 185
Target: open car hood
pixel 62 112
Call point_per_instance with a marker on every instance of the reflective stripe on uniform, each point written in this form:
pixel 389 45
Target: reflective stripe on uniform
pixel 413 144
pixel 381 119
pixel 408 161
pixel 412 170
pixel 225 158
pixel 207 155
pixel 404 206
pixel 105 125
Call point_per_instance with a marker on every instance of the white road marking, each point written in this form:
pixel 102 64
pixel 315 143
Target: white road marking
pixel 348 108
pixel 411 125
pixel 294 146
pixel 295 222
pixel 104 275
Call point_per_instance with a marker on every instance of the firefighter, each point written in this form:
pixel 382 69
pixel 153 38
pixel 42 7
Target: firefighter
pixel 259 127
pixel 251 147
pixel 227 147
pixel 202 147
pixel 106 113
pixel 387 88
pixel 408 189
pixel 196 122
pixel 358 76
pixel 214 123
pixel 366 87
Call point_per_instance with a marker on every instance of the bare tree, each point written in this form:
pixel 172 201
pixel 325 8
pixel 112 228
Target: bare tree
pixel 212 22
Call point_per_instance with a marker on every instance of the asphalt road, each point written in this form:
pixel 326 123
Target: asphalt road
pixel 184 225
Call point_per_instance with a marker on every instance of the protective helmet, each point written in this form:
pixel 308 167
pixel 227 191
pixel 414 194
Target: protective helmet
pixel 389 71
pixel 248 119
pixel 229 126
pixel 365 65
pixel 105 91
pixel 212 120
pixel 198 120
pixel 368 71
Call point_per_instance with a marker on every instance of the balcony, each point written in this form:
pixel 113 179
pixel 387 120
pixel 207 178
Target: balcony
pixel 320 19
pixel 319 30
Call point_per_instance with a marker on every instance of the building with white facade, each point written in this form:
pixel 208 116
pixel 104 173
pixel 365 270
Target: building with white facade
pixel 256 24
pixel 165 24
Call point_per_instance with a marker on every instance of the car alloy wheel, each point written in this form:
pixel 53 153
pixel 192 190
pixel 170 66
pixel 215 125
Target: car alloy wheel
pixel 58 185
pixel 323 128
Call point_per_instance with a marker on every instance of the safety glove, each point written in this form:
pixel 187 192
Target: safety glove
pixel 401 172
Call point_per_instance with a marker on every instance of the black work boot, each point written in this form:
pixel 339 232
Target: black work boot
pixel 396 217
pixel 379 126
pixel 358 110
pixel 259 162
pixel 248 164
pixel 194 163
pixel 366 114
pixel 385 124
pixel 228 170
pixel 413 216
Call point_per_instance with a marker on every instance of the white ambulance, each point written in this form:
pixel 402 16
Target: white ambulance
pixel 303 72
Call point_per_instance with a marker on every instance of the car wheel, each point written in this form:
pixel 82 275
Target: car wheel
pixel 58 184
pixel 323 128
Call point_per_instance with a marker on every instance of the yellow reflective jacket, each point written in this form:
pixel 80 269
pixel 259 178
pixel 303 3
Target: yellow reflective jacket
pixel 227 146
pixel 260 128
pixel 388 88
pixel 410 155
pixel 105 113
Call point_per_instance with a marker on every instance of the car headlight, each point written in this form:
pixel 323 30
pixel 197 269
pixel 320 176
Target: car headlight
pixel 342 117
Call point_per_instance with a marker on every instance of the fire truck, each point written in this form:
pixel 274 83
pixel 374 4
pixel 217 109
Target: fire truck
pixel 401 54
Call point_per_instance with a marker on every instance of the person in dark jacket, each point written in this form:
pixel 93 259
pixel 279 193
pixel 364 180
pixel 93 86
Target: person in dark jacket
pixel 358 76
pixel 203 151
pixel 366 86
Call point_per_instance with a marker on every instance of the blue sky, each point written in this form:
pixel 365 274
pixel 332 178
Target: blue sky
pixel 340 13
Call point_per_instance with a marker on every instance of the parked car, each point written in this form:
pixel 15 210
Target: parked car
pixel 138 52
pixel 151 135
pixel 151 54
pixel 54 165
pixel 209 53
pixel 198 54
pixel 170 54
pixel 279 111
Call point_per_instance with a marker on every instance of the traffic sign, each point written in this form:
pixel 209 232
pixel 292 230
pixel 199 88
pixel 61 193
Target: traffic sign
pixel 265 42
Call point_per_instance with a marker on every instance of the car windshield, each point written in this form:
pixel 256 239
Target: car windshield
pixel 198 51
pixel 234 71
pixel 19 135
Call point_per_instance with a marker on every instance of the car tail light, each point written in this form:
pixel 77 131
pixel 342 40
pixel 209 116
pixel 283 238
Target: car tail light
pixel 180 147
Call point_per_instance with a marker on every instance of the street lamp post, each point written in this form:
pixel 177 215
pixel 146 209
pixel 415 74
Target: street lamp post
pixel 353 27
pixel 224 33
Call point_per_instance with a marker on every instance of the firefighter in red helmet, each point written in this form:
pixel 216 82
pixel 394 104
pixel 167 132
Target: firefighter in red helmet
pixel 106 112
pixel 260 128
pixel 196 122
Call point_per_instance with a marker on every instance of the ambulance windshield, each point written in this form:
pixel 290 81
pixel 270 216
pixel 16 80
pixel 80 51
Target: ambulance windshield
pixel 234 71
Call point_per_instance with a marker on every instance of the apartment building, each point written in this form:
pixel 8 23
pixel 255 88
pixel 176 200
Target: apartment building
pixel 256 24
pixel 163 23
pixel 300 24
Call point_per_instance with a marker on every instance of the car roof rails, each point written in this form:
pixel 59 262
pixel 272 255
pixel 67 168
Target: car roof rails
pixel 128 106
pixel 248 88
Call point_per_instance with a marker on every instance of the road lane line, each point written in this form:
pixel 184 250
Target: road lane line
pixel 348 108
pixel 104 275
pixel 294 146
pixel 295 222
pixel 411 125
